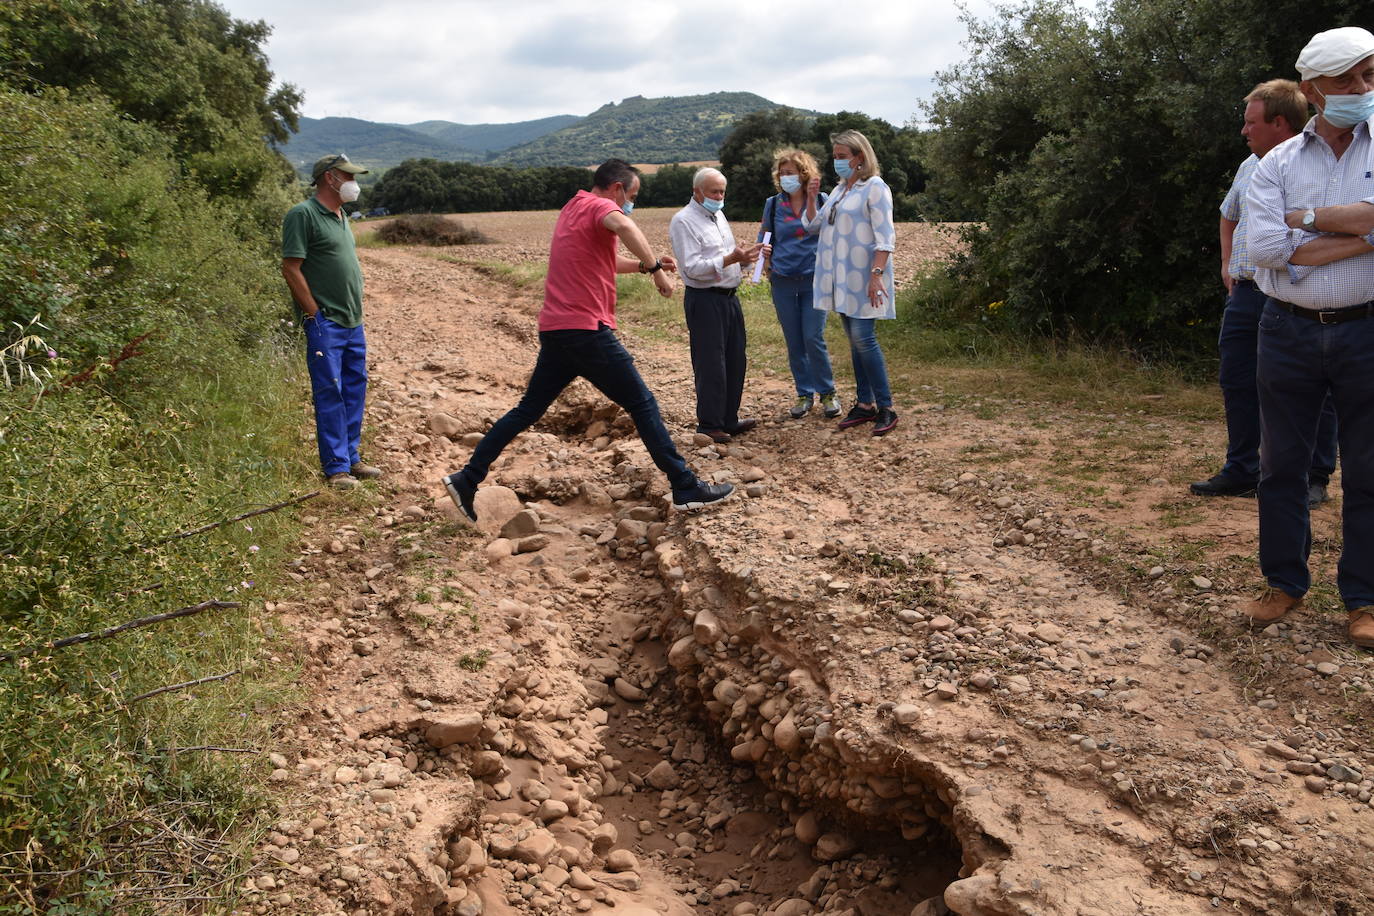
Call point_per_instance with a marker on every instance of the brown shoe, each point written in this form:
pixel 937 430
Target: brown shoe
pixel 1362 626
pixel 342 481
pixel 365 471
pixel 1270 606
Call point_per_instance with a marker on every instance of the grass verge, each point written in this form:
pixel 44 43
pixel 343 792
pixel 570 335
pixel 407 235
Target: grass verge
pixel 111 803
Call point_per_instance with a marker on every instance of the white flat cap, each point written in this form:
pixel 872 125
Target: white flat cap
pixel 1334 51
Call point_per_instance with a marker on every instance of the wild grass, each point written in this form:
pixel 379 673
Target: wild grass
pixel 958 363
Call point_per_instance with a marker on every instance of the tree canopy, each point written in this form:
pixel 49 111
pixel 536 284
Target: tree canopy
pixel 1097 148
pixel 746 155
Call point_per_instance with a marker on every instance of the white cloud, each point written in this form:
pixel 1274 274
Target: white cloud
pixel 466 61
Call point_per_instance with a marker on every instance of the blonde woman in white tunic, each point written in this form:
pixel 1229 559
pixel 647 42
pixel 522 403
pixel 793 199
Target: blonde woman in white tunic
pixel 854 269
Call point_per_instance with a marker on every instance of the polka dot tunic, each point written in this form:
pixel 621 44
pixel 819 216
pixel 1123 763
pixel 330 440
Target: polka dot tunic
pixel 862 225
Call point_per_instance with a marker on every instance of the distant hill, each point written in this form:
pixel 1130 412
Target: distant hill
pixel 492 138
pixel 673 129
pixel 377 146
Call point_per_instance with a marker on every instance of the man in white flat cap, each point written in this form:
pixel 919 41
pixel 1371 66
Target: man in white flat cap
pixel 1311 210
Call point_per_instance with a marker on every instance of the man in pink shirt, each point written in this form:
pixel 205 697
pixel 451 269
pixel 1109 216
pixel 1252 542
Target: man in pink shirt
pixel 576 336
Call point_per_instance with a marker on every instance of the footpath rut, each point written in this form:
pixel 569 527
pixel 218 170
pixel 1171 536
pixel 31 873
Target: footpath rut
pixel 886 678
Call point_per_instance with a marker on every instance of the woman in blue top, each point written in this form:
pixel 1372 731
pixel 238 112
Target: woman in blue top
pixel 854 269
pixel 790 275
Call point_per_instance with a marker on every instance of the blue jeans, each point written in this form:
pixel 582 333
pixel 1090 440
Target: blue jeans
pixel 1300 361
pixel 1239 345
pixel 598 357
pixel 870 370
pixel 337 359
pixel 803 327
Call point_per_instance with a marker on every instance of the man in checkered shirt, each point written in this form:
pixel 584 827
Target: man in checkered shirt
pixel 1311 211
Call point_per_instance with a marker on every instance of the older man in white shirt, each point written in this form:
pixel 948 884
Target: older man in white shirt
pixel 1311 210
pixel 709 262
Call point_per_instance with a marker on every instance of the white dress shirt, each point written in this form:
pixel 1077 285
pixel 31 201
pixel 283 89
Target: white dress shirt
pixel 1301 173
pixel 701 242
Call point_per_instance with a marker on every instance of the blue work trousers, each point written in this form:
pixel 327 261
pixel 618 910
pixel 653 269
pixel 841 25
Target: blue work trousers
pixel 1239 349
pixel 803 327
pixel 1300 361
pixel 870 370
pixel 337 359
pixel 598 357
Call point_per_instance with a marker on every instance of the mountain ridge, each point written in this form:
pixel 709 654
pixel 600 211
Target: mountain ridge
pixel 638 129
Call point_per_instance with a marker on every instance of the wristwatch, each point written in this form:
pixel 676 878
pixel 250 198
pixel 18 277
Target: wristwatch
pixel 877 271
pixel 1309 220
pixel 658 265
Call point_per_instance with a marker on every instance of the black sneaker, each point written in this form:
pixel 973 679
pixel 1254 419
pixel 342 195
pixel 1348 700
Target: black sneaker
pixel 858 415
pixel 1316 495
pixel 883 423
pixel 831 404
pixel 701 496
pixel 1221 485
pixel 461 492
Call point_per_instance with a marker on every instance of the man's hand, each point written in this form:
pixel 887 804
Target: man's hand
pixel 669 263
pixel 1294 218
pixel 1226 279
pixel 746 254
pixel 663 282
pixel 813 188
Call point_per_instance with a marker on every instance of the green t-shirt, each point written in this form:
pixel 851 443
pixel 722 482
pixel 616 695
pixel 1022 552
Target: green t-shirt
pixel 324 242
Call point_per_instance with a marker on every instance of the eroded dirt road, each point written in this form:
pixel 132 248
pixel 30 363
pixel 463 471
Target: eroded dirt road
pixel 890 676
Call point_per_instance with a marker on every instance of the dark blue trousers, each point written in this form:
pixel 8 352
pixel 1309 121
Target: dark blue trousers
pixel 1300 361
pixel 337 359
pixel 1239 348
pixel 715 332
pixel 598 357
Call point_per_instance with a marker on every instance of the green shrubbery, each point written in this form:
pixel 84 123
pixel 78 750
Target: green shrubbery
pixel 429 229
pixel 165 393
pixel 1096 147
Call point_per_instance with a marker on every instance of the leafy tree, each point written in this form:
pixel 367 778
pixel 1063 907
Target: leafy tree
pixel 746 156
pixel 1097 149
pixel 432 186
pixel 185 67
pixel 670 186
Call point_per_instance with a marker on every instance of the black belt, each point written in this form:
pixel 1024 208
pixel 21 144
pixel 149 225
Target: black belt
pixel 1244 281
pixel 718 290
pixel 1328 316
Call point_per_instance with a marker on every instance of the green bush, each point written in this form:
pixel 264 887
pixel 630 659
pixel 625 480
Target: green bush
pixel 429 229
pixel 1096 146
pixel 174 399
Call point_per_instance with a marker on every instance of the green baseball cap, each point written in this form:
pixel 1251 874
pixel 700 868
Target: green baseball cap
pixel 335 161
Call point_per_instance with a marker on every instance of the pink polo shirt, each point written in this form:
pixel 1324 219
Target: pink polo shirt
pixel 579 289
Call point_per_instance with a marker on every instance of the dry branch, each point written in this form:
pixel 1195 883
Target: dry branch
pixel 129 351
pixel 116 630
pixel 238 518
pixel 184 684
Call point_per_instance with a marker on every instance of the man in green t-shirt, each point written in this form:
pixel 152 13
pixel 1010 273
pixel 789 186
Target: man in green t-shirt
pixel 321 268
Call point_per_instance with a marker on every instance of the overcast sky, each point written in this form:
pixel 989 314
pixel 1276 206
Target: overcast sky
pixel 472 62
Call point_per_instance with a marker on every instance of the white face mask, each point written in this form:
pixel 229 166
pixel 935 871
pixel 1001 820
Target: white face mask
pixel 349 191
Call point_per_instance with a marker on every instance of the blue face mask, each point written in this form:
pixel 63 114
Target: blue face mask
pixel 712 205
pixel 1347 110
pixel 628 207
pixel 790 183
pixel 843 169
